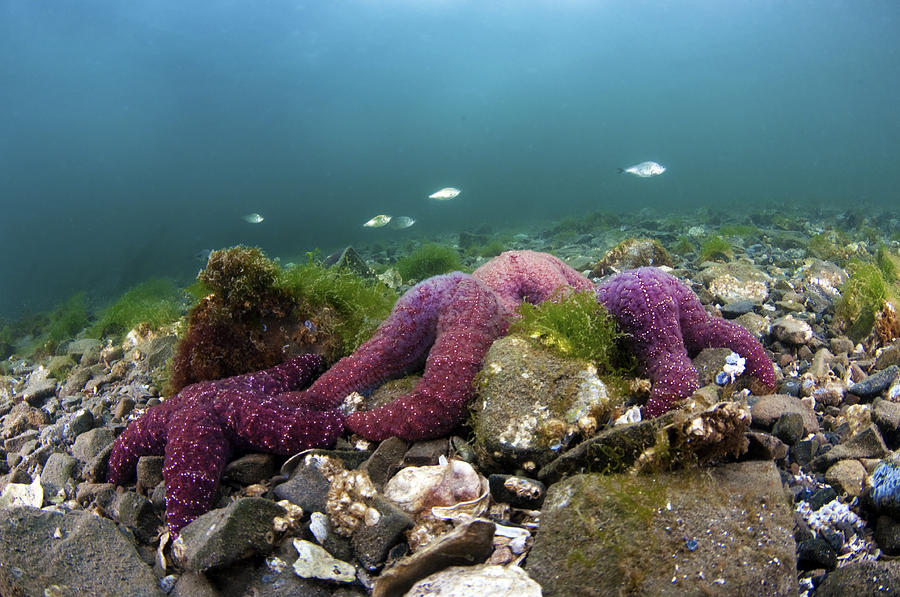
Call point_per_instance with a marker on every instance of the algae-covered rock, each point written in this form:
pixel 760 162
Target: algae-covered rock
pixel 530 402
pixel 735 281
pixel 632 253
pixel 725 530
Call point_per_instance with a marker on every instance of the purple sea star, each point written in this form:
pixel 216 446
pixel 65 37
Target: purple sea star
pixel 667 323
pixel 198 429
pixel 446 323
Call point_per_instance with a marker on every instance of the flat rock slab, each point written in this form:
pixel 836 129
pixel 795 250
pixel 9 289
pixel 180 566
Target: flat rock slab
pixel 78 552
pixel 715 531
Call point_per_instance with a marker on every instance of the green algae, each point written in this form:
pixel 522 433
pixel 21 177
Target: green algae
pixel 716 248
pixel 156 302
pixel 573 325
pixel 360 305
pixel 862 296
pixel 252 314
pixel 427 261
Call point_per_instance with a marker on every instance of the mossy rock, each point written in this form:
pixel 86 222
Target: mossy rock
pixel 632 253
pixel 720 531
pixel 252 315
pixel 529 402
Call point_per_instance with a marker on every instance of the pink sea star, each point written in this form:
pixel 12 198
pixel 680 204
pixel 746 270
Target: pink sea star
pixel 446 323
pixel 667 324
pixel 199 428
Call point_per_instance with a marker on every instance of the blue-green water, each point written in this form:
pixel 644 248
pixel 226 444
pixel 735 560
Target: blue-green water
pixel 135 134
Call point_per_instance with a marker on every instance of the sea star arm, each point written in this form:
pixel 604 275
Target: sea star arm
pixel 469 320
pixel 643 304
pixel 196 454
pixel 702 330
pixel 399 345
pixel 144 437
pixel 197 430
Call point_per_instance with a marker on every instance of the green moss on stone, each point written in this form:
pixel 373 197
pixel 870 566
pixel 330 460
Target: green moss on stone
pixel 427 261
pixel 156 302
pixel 716 248
pixel 574 325
pixel 862 295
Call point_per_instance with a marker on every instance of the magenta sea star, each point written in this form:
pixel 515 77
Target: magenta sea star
pixel 667 324
pixel 198 429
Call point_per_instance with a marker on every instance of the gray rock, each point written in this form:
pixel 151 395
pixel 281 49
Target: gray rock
pixel 372 543
pixel 889 357
pixel 78 552
pixel 193 584
pixel 865 444
pixel 875 383
pixel 149 472
pixel 887 535
pixel 90 443
pixel 861 578
pixel 529 403
pixel 847 476
pixel 768 409
pixel 841 345
pixel 708 363
pixel 137 513
pixel 757 325
pixel 737 308
pixel 307 487
pixel 385 461
pixel 78 348
pixel 58 474
pixel 221 537
pixel 250 469
pixel 15 444
pixel 426 453
pixel 76 379
pixel 667 534
pixel 67 428
pixel 789 428
pixel 815 553
pixel 886 415
pixel 39 387
pixel 764 446
pixel 467 544
pixel 792 331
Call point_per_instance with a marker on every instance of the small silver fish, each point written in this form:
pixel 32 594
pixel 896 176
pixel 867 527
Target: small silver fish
pixel 378 221
pixel 644 169
pixel 445 194
pixel 253 218
pixel 401 222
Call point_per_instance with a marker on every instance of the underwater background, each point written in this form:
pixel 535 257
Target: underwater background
pixel 135 136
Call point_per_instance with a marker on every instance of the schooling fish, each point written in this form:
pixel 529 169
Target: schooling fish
pixel 253 218
pixel 445 194
pixel 401 222
pixel 644 169
pixel 378 221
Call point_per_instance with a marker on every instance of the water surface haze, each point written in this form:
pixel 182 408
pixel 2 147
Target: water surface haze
pixel 135 134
